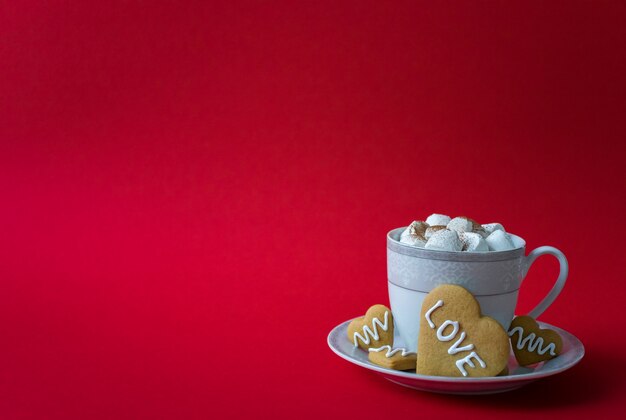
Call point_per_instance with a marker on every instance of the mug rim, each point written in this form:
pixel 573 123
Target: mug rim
pixel 394 244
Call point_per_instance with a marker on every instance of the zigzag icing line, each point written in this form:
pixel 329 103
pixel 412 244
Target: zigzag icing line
pixel 532 343
pixel 368 332
pixel 390 352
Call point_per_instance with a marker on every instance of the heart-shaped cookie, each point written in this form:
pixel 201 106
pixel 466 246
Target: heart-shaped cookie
pixel 375 329
pixel 532 344
pixel 396 359
pixel 455 339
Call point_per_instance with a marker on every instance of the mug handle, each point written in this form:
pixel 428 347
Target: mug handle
pixel 560 281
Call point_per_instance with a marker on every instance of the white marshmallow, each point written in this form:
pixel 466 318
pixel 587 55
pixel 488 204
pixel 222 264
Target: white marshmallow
pixel 417 241
pixel 480 230
pixel 438 220
pixel 492 227
pixel 444 240
pixel 417 227
pixel 460 224
pixel 414 234
pixel 499 240
pixel 473 242
pixel 430 231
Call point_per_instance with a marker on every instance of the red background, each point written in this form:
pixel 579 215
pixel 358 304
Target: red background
pixel 195 193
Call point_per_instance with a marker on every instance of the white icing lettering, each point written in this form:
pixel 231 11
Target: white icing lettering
pixel 391 352
pixel 442 328
pixel 532 341
pixel 430 311
pixel 367 332
pixel 467 360
pixel 454 349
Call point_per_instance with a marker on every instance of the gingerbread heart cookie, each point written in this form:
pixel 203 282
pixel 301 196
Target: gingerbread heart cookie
pixel 375 329
pixel 505 372
pixel 455 339
pixel 397 359
pixel 532 344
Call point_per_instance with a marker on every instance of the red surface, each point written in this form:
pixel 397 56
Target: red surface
pixel 195 193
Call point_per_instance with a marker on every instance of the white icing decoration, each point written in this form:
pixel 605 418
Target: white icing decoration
pixel 532 343
pixel 454 349
pixel 466 360
pixel 441 329
pixel 430 311
pixel 390 352
pixel 368 332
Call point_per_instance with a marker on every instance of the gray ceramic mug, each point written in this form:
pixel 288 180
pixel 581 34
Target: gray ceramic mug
pixel 494 278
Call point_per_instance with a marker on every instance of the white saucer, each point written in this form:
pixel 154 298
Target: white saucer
pixel 572 352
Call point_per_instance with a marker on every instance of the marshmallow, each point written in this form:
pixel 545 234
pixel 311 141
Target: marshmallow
pixel 444 240
pixel 492 227
pixel 498 240
pixel 474 222
pixel 414 234
pixel 473 242
pixel 418 227
pixel 460 224
pixel 477 227
pixel 430 231
pixel 480 230
pixel 438 220
pixel 417 241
